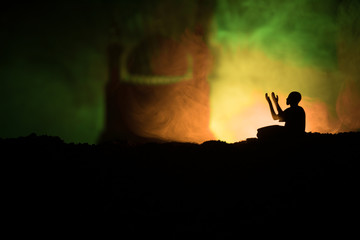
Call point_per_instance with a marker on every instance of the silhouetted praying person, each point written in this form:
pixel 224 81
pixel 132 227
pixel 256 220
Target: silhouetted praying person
pixel 294 118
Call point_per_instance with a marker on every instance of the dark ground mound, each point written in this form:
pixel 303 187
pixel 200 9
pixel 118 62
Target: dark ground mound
pixel 177 188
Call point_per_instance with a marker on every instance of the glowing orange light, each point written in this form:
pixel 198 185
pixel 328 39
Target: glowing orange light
pixel 238 106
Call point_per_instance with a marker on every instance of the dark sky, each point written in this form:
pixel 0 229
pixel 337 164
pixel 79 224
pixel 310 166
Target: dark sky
pixel 53 62
pixel 52 69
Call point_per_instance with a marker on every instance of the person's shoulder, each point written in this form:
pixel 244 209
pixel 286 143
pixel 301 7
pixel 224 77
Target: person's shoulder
pixel 294 110
pixel 300 109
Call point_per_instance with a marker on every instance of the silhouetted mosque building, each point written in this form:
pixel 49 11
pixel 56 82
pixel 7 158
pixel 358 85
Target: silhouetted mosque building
pixel 158 90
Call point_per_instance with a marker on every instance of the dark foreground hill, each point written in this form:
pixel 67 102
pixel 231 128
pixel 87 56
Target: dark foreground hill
pixel 178 188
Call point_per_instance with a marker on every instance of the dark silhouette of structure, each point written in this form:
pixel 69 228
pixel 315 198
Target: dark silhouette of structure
pixel 141 110
pixel 294 118
pixel 157 88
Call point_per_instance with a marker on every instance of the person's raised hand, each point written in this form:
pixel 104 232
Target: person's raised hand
pixel 274 97
pixel 267 98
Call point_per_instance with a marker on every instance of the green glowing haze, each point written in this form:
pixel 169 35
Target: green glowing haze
pixel 53 64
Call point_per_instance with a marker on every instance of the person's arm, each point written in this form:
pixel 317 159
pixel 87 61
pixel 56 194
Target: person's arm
pixel 281 113
pixel 278 108
pixel 275 98
pixel 273 114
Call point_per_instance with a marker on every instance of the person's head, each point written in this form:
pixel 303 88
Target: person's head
pixel 293 99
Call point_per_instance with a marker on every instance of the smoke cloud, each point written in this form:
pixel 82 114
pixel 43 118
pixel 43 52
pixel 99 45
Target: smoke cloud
pixel 54 70
pixel 282 46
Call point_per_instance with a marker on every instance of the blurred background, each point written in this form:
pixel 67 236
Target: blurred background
pixel 55 69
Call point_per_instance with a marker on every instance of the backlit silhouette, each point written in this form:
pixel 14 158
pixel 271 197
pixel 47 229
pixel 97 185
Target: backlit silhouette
pixel 294 118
